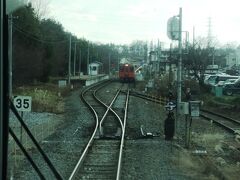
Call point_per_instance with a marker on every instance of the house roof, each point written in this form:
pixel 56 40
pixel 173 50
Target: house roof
pixel 96 62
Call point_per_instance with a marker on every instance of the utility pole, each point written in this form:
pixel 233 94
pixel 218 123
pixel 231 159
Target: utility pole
pixel 193 36
pixel 209 37
pixel 69 60
pixel 170 69
pixel 179 72
pixel 109 61
pixel 74 60
pixel 80 62
pixel 118 63
pixel 88 72
pixel 213 56
pixel 10 20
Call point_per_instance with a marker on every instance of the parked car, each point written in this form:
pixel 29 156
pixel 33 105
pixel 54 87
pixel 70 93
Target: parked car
pixel 230 89
pixel 210 79
pixel 220 83
pixel 228 81
pixel 214 79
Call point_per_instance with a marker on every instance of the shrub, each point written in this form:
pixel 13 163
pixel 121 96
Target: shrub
pixel 193 85
pixel 205 88
pixel 44 98
pixel 162 86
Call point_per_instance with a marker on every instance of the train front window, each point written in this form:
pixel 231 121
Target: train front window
pixel 116 90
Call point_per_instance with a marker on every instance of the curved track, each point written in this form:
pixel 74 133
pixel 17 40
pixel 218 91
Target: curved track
pixel 227 123
pixel 102 157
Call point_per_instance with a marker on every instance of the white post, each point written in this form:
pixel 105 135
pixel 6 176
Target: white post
pixel 74 63
pixel 109 62
pixel 193 36
pixel 118 63
pixel 69 61
pixel 88 71
pixel 80 62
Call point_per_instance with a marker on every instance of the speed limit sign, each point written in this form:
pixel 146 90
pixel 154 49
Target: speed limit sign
pixel 23 103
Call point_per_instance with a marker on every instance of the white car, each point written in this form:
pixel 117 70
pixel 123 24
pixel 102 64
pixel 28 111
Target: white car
pixel 228 81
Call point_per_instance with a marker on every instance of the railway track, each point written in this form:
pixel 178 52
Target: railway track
pixel 102 156
pixel 230 124
pixel 148 97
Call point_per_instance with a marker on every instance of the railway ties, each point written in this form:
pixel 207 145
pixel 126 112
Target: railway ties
pixel 102 156
pixel 227 123
pixel 101 161
pixel 230 124
pixel 110 127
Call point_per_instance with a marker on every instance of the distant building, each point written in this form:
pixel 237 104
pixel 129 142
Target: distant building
pixel 94 68
pixel 231 59
pixel 154 61
pixel 212 69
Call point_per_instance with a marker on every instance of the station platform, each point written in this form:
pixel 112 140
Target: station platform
pixel 87 80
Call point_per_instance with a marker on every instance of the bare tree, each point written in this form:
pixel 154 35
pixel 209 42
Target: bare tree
pixel 198 58
pixel 41 8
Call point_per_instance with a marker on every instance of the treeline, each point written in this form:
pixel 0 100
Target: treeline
pixel 41 49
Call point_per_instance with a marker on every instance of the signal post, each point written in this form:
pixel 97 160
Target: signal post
pixel 174 32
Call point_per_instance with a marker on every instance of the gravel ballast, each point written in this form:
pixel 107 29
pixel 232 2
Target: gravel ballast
pixel 143 158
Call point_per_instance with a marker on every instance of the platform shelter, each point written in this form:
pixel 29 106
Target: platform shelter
pixel 94 68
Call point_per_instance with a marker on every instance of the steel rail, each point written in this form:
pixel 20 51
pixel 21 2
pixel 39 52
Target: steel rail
pixel 228 128
pixel 156 100
pixel 122 128
pixel 123 125
pixel 219 123
pixel 108 108
pixel 80 161
pixel 147 97
pixel 123 135
pixel 221 115
pixel 232 130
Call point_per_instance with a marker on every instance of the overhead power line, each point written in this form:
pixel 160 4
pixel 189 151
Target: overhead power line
pixel 33 37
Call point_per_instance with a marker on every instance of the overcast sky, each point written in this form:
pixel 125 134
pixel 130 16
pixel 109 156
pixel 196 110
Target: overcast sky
pixel 122 21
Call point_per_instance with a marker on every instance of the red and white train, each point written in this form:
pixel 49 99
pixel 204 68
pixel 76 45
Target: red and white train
pixel 126 73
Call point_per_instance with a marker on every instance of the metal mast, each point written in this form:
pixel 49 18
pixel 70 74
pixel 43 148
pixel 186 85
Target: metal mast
pixel 69 60
pixel 179 72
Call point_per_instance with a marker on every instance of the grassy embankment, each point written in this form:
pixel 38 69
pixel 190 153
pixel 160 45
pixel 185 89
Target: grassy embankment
pixel 229 105
pixel 45 97
pixel 224 103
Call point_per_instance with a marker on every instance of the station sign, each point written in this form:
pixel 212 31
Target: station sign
pixel 173 28
pixel 194 108
pixel 184 108
pixel 23 103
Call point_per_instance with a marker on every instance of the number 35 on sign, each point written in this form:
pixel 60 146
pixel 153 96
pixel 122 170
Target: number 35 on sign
pixel 23 103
